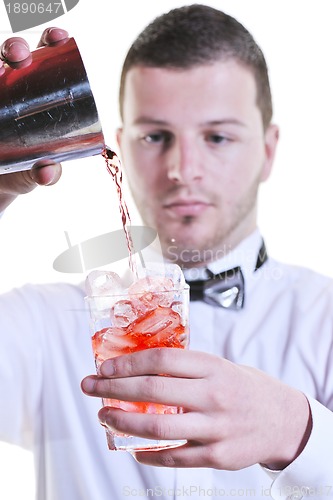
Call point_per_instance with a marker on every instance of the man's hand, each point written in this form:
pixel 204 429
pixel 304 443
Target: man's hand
pixel 16 53
pixel 234 416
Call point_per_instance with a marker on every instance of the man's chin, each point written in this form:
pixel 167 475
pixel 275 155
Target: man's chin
pixel 183 253
pixel 184 242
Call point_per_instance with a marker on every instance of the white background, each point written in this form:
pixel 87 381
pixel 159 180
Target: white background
pixel 296 204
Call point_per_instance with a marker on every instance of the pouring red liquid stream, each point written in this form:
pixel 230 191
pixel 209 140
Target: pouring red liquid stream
pixel 113 166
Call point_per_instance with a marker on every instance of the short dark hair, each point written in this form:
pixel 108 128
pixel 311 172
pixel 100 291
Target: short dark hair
pixel 195 35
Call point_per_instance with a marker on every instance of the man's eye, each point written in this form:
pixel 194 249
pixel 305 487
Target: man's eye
pixel 157 138
pixel 216 138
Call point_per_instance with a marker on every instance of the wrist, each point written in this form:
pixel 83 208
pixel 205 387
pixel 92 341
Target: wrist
pixel 6 200
pixel 298 426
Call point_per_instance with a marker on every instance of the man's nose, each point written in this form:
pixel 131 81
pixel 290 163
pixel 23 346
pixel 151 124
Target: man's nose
pixel 184 162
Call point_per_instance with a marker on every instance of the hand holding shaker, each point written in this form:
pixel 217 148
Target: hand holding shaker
pixel 152 312
pixel 47 110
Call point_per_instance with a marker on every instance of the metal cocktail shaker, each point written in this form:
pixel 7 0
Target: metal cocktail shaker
pixel 47 110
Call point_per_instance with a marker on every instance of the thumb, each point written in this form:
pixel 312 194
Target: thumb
pixel 43 173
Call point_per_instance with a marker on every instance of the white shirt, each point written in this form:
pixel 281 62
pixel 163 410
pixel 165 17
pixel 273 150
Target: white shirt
pixel 285 329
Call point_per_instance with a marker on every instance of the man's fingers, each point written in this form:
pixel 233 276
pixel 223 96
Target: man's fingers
pixel 44 173
pixel 170 361
pixel 154 389
pixel 155 426
pixel 52 35
pixel 15 50
pixel 187 426
pixel 191 455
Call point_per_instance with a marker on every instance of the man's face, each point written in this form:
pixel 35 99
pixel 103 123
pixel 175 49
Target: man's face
pixel 195 152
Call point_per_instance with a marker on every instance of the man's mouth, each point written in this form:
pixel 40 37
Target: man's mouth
pixel 186 207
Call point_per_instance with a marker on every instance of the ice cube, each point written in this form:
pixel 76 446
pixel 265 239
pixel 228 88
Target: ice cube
pixel 166 270
pixel 155 321
pixel 151 292
pixel 150 284
pixel 174 272
pixel 123 313
pixel 103 283
pixel 111 342
pixel 160 299
pixel 178 307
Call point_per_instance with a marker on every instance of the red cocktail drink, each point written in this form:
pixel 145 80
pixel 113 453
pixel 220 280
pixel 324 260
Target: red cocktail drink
pixel 152 313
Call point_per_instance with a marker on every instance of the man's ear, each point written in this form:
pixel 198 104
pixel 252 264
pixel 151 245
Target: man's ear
pixel 271 140
pixel 119 133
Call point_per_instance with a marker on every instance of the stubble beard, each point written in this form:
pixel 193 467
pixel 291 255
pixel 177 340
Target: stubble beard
pixel 188 251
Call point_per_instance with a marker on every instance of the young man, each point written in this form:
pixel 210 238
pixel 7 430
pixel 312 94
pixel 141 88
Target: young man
pixel 257 384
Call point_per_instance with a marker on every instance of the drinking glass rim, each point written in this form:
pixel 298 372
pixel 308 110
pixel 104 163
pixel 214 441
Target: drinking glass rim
pixel 184 287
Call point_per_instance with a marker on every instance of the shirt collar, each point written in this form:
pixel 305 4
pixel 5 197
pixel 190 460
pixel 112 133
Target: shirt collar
pixel 244 255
